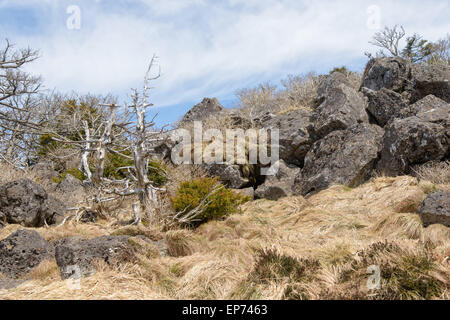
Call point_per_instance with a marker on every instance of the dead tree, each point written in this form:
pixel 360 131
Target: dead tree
pixel 20 117
pixel 105 141
pixel 84 167
pixel 87 132
pixel 145 140
pixel 389 39
pixel 141 141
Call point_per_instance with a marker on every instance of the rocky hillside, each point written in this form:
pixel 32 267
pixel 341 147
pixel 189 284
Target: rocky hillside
pixel 363 181
pixel 398 119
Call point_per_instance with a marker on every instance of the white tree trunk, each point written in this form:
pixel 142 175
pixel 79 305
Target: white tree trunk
pixel 105 140
pixel 85 154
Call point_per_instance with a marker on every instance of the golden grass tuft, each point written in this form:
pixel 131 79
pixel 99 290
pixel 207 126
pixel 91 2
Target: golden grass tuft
pixel 106 284
pixel 184 242
pixel 437 172
pixel 47 270
pixel 400 225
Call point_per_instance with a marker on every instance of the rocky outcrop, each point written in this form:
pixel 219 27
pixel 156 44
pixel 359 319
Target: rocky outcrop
pixel 294 138
pixel 205 109
pixel 27 203
pixel 21 252
pixel 412 81
pixel 279 185
pixel 412 141
pixel 339 107
pixel 385 104
pixel 399 118
pixel 436 209
pixel 390 73
pixel 75 256
pixel 149 248
pixel 430 79
pixel 410 101
pixel 343 157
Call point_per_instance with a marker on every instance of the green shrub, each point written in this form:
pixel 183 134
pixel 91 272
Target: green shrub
pixel 156 170
pixel 46 143
pixel 72 171
pixel 220 204
pixel 115 161
pixel 157 173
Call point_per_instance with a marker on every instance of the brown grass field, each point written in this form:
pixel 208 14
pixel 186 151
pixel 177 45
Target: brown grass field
pixel 295 248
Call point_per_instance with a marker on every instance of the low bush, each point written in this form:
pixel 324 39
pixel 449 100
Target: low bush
pixel 218 204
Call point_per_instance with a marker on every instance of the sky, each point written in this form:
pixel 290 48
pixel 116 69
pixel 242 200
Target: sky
pixel 206 48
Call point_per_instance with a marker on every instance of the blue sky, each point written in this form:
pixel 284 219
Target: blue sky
pixel 207 48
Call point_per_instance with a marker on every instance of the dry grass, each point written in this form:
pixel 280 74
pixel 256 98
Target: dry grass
pixel 436 172
pixel 295 248
pixel 297 92
pixel 8 174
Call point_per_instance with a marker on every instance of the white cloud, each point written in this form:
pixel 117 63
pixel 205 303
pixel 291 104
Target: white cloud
pixel 211 47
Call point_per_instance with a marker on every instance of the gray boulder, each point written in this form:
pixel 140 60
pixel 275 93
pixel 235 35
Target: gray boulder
pixel 436 209
pixel 429 103
pixel 433 110
pixel 70 184
pixel 385 104
pixel 328 82
pixel 21 252
pixel 229 174
pixel 412 141
pixel 71 188
pixel 27 203
pixel 391 73
pixel 412 81
pixel 75 256
pixel 343 157
pixel 430 79
pixel 279 185
pixel 167 142
pixel 205 109
pixel 237 119
pixel 294 139
pixel 339 107
pixel 262 119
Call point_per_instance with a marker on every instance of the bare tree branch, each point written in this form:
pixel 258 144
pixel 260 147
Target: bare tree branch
pixel 389 39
